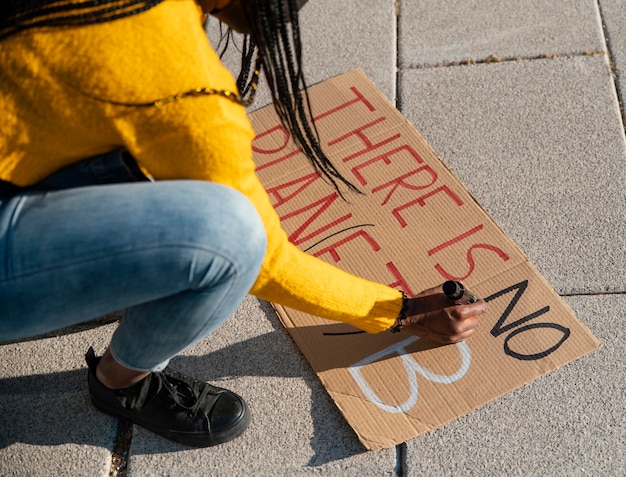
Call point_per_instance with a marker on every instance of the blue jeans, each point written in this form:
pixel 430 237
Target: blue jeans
pixel 178 256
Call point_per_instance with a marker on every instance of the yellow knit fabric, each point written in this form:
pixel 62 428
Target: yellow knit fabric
pixel 57 87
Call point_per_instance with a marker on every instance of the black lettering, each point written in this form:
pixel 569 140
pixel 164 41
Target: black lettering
pixel 500 328
pixel 542 354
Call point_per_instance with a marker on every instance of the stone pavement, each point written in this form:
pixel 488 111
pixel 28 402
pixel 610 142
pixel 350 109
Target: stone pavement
pixel 523 101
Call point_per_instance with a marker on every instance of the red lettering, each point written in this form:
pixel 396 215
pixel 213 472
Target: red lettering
pixel 457 239
pixel 369 145
pixel 332 249
pixel 386 159
pixel 321 205
pixel 470 260
pixel 279 137
pixel 400 281
pixel 421 201
pixel 277 192
pixel 285 140
pixel 359 99
pixel 400 182
pixel 469 255
pixel 280 159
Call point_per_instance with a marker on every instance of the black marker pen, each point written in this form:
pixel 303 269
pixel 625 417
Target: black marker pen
pixel 456 292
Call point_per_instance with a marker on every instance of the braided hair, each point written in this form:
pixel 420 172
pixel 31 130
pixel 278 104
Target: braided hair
pixel 275 32
pixel 18 15
pixel 274 40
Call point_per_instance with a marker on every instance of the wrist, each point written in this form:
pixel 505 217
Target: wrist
pixel 402 315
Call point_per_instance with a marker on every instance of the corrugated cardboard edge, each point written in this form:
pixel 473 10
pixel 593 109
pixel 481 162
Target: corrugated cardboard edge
pixel 283 313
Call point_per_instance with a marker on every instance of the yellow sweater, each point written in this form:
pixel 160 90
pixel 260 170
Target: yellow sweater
pixel 54 88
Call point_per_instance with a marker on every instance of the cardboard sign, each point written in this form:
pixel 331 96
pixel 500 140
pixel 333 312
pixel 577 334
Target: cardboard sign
pixel 414 227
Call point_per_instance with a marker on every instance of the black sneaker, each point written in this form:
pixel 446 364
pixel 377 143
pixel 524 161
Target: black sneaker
pixel 174 406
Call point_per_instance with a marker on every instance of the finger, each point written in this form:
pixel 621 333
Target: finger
pixel 463 312
pixel 453 329
pixel 442 326
pixel 454 332
pixel 461 337
pixel 465 325
pixel 427 301
pixel 444 338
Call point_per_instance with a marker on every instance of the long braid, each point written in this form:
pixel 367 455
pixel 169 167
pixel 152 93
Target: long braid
pixel 248 53
pixel 274 25
pixel 276 34
pixel 18 15
pixel 309 127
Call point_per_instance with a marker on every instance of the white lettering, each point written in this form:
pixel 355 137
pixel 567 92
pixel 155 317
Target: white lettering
pixel 412 369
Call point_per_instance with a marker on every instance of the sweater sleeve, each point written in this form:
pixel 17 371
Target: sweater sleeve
pixel 210 138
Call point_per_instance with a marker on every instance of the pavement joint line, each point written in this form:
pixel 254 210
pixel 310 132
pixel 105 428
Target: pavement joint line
pixel 498 59
pixel 121 448
pixel 614 70
pixel 396 85
pixel 601 293
pixel 401 463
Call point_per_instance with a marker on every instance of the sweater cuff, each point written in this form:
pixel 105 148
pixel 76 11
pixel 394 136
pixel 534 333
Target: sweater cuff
pixel 382 316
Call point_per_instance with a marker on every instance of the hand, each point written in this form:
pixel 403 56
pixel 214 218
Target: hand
pixel 432 315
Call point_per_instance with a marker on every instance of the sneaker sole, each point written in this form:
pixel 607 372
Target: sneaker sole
pixel 193 439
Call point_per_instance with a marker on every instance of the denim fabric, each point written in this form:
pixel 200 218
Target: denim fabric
pixel 178 256
pixel 110 168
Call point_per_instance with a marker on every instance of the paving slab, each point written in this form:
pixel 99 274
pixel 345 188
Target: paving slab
pixel 540 145
pixel 435 31
pixel 338 37
pixel 47 424
pixel 296 429
pixel 571 422
pixel 614 19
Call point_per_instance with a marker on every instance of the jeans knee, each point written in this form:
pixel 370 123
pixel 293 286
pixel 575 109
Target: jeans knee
pixel 248 229
pixel 226 219
pixel 210 221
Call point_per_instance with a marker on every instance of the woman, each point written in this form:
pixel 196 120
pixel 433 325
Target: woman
pixel 127 182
